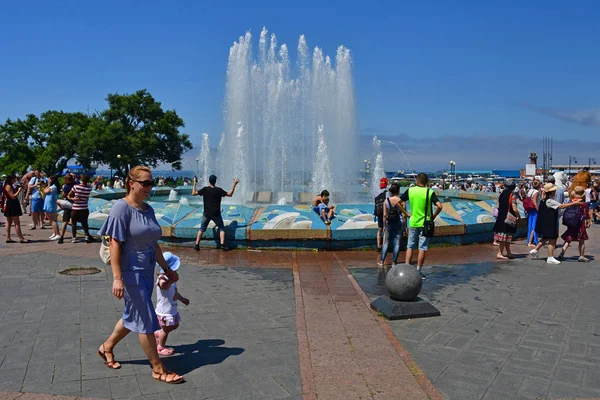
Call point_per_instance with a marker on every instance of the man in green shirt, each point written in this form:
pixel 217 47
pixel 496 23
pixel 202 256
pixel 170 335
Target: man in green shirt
pixel 417 196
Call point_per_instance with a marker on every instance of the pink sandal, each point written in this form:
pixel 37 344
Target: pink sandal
pixel 164 351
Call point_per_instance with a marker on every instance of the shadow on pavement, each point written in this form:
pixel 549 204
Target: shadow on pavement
pixel 189 357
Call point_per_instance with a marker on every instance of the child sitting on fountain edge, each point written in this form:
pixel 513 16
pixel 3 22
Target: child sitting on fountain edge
pixel 321 206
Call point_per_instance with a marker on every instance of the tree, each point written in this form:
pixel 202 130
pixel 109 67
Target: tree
pixel 138 130
pixel 15 153
pixel 46 142
pixel 57 140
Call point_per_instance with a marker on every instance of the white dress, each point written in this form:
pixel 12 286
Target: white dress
pixel 166 305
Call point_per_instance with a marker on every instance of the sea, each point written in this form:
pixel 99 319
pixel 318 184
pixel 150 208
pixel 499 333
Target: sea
pixel 184 173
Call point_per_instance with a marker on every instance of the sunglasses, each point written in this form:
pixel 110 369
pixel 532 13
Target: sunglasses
pixel 145 183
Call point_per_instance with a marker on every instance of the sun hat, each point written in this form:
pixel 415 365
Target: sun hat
pixel 383 183
pixel 172 260
pixel 578 192
pixel 549 187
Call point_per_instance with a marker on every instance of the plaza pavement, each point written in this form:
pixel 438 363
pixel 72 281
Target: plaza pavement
pixel 520 329
pixel 291 325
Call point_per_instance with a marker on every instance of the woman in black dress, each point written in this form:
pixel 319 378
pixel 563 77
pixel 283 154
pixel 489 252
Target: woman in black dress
pixel 13 209
pixel 547 222
pixel 507 202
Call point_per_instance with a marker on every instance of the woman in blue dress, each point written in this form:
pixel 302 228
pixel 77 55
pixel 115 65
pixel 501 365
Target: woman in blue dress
pixel 50 207
pixel 134 251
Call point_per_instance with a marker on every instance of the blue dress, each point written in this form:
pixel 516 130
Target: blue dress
pixel 139 232
pixel 50 200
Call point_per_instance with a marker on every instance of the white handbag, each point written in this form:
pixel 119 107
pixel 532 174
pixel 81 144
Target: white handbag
pixel 105 250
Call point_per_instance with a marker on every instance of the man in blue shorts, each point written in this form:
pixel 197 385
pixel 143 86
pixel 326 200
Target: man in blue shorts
pixel 212 195
pixel 418 196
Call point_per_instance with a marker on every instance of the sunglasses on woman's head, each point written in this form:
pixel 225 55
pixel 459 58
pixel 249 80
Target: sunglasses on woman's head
pixel 145 183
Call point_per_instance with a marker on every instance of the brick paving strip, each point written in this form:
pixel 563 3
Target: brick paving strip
pixel 344 347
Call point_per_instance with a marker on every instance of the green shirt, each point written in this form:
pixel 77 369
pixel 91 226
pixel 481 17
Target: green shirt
pixel 416 197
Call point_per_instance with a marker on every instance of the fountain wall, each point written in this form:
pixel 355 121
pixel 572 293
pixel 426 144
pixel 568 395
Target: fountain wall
pixel 467 218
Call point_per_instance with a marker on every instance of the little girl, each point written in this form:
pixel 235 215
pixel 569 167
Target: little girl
pixel 166 305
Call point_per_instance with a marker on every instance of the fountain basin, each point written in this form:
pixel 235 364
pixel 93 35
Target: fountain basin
pixel 467 218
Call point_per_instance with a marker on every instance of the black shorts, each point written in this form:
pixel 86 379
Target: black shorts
pixel 66 215
pixel 380 222
pixel 80 215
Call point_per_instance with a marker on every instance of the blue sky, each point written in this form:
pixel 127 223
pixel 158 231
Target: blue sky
pixel 425 72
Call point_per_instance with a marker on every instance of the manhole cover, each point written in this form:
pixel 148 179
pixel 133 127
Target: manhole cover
pixel 78 270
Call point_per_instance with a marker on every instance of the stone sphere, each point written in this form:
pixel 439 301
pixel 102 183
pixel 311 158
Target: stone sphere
pixel 403 282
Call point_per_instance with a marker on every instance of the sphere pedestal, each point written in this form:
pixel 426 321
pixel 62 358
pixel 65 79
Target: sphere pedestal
pixel 403 283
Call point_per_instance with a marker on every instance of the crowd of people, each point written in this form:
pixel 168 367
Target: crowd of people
pixel 41 197
pixel 571 203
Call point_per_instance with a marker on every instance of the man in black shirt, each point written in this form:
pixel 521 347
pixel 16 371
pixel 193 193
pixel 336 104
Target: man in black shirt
pixel 212 195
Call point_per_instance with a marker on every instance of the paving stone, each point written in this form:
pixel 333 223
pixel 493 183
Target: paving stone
pixel 53 343
pixel 571 376
pixel 534 387
pixel 98 388
pixel 591 379
pixel 531 325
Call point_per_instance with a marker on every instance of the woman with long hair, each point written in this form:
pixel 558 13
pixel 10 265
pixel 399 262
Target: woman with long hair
pixel 503 232
pixel 532 213
pixel 50 206
pixel 134 251
pixel 12 210
pixel 394 221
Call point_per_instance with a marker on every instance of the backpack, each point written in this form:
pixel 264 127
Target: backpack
pixel 572 217
pixel 393 214
pixel 379 200
pixel 528 204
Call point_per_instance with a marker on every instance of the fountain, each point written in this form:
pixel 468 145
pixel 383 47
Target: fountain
pixel 321 178
pixel 204 160
pixel 289 133
pixel 378 170
pixel 272 112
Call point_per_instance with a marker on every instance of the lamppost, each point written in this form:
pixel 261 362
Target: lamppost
pixel 573 160
pixel 591 161
pixel 452 171
pixel 119 163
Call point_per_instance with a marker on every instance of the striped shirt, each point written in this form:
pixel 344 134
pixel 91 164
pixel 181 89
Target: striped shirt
pixel 82 193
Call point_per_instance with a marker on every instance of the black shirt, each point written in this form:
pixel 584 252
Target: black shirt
pixel 66 189
pixel 212 200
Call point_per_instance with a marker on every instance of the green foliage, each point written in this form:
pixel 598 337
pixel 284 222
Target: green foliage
pixel 139 131
pixel 46 142
pixel 57 139
pixel 133 130
pixel 15 153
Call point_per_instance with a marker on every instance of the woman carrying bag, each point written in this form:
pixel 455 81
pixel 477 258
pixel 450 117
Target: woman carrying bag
pixel 547 222
pixel 394 221
pixel 134 251
pixel 506 223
